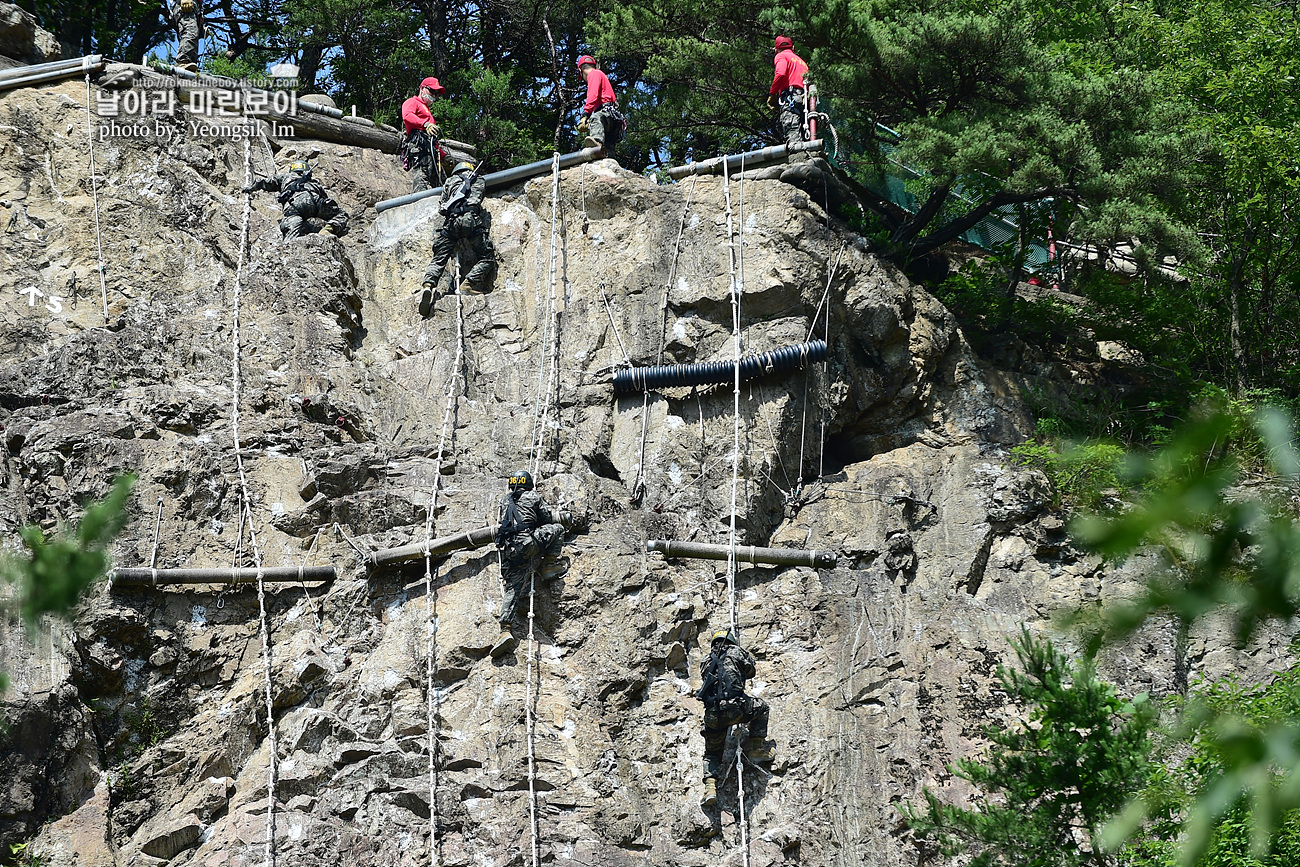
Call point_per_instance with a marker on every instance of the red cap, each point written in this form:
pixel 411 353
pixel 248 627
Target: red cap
pixel 585 59
pixel 432 84
pixel 783 42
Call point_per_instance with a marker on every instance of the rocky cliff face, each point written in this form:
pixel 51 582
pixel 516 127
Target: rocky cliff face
pixel 141 737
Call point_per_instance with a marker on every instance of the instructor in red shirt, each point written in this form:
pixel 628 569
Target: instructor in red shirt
pixel 787 90
pixel 420 151
pixel 601 121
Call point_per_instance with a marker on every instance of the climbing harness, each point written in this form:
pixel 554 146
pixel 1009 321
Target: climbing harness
pixel 252 532
pixel 94 193
pixel 430 600
pixel 736 285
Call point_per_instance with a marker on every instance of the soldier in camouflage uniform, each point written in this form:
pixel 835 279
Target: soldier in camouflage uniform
pixel 529 538
pixel 187 17
pixel 724 673
pixel 302 198
pixel 462 220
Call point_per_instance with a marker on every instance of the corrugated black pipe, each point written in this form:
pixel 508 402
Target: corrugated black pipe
pixel 751 366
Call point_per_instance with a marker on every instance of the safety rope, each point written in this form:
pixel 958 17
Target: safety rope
pixel 529 722
pixel 638 487
pixel 430 600
pixel 830 276
pixel 735 479
pixel 539 413
pixel 248 509
pixel 94 193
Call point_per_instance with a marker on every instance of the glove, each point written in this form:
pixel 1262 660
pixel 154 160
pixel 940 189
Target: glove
pixel 771 101
pixel 582 125
pixel 432 129
pixel 187 5
pixel 246 188
pixel 327 229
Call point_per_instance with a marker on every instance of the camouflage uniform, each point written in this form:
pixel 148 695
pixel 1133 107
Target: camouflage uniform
pixel 189 30
pixel 302 198
pixel 464 222
pixel 725 702
pixel 791 116
pixel 541 536
pixel 420 148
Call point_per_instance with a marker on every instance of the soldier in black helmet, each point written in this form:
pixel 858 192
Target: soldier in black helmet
pixel 462 220
pixel 724 672
pixel 530 537
pixel 302 198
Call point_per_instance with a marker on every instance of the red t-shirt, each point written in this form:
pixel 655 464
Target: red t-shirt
pixel 599 91
pixel 415 114
pixel 790 70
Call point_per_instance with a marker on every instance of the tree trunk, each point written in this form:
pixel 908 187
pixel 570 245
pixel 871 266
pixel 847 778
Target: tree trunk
pixel 309 67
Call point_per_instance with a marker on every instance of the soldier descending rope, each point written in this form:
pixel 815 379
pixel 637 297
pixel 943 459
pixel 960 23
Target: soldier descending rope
pixel 724 673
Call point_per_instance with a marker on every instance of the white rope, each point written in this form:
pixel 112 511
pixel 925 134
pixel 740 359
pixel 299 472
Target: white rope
pixel 735 479
pixel 539 417
pixel 528 717
pixel 430 601
pixel 614 325
pixel 803 425
pixel 248 506
pixel 638 487
pixel 153 557
pixel 94 193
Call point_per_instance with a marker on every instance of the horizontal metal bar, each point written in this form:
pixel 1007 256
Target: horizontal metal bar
pixel 436 547
pixel 217 575
pixel 750 160
pixel 36 68
pixel 744 553
pixel 51 75
pixel 503 178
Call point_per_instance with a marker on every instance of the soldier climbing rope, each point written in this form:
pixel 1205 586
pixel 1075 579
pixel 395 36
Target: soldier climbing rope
pixel 737 285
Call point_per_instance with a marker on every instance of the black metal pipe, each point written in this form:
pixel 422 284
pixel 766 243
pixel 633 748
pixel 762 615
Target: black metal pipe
pixel 751 366
pixel 744 553
pixel 218 575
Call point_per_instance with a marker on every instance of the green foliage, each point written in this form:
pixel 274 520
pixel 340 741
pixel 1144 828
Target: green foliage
pixel 1083 475
pixel 20 857
pixel 1222 551
pixel 1071 766
pixel 977 295
pixel 61 569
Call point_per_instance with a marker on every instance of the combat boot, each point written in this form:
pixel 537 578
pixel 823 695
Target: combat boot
pixel 505 644
pixel 590 142
pixel 428 295
pixel 710 798
pixel 759 751
pixel 468 288
pixel 553 567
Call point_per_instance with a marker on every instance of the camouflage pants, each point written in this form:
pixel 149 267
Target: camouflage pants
pixel 424 165
pixel 187 34
pixel 604 127
pixel 293 222
pixel 547 541
pixel 468 228
pixel 791 120
pixel 719 720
